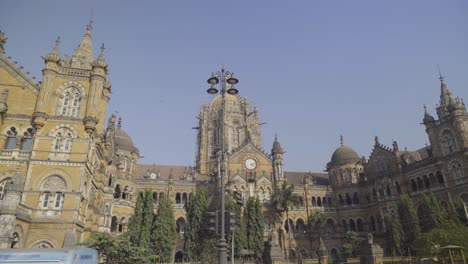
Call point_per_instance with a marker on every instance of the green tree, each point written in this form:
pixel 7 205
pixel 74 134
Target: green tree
pixel 352 243
pixel 139 227
pixel 147 219
pixel 409 222
pixel 118 250
pixel 317 220
pixel 282 199
pixel 164 231
pixel 134 224
pixel 196 216
pixel 393 235
pixel 432 215
pixel 254 223
pixel 428 244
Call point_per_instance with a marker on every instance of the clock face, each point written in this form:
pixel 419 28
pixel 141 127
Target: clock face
pixel 250 164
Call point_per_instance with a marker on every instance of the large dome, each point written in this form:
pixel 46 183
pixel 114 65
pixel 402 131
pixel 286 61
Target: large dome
pixel 344 154
pixel 124 141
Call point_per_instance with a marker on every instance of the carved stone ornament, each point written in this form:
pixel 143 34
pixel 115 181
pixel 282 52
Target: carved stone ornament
pixel 54 183
pixel 90 123
pixel 39 119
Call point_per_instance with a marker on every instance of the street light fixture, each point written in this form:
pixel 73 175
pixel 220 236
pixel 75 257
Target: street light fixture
pixel 225 78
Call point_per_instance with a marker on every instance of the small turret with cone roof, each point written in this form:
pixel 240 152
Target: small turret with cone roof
pixel 53 57
pixel 277 149
pixel 100 64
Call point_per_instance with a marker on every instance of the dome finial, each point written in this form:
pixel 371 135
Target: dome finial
pixel 119 123
pixel 341 140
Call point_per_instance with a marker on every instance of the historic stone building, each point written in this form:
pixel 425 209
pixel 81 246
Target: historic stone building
pixel 65 172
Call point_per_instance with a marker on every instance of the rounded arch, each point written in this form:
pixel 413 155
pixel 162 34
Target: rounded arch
pixel 57 128
pixel 43 243
pixel 71 84
pixel 179 256
pixel 330 226
pixel 334 254
pixel 360 225
pixel 54 182
pixel 300 226
pixel 180 223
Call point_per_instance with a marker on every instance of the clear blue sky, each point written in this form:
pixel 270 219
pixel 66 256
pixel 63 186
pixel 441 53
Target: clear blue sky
pixel 316 69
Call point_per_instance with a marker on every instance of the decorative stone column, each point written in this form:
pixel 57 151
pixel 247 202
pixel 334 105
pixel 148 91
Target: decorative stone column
pixel 8 210
pixel 370 252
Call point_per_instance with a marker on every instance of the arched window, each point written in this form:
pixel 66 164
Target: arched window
pixel 178 198
pixel 389 191
pixel 314 202
pixel 426 181
pixel 114 224
pixel 414 187
pixel 330 226
pixel 348 199
pixel 26 142
pixel 330 204
pixel 352 225
pixel 440 178
pixel 398 188
pixel 12 138
pixel 300 226
pixel 360 225
pixel 340 199
pixel 184 198
pixel 117 191
pixel 448 142
pixel 319 201
pixel 53 189
pixel 63 140
pixel 345 225
pixel 71 101
pixel 180 223
pixel 45 200
pixel 58 200
pixel 356 198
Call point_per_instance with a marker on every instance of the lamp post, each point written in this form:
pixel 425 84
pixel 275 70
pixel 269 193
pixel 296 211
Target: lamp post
pixel 222 77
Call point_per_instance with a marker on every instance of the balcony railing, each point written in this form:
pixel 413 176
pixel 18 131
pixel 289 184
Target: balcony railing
pixel 15 154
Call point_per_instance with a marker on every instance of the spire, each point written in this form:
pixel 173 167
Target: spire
pixel 341 140
pixel 101 60
pixel 83 55
pixel 446 97
pixel 54 54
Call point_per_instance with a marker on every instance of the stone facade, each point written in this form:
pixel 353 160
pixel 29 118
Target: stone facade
pixel 64 173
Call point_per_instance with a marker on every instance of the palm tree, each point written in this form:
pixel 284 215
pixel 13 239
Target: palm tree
pixel 282 199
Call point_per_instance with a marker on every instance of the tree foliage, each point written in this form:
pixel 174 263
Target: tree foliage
pixel 254 223
pixel 118 250
pixel 393 235
pixel 164 231
pixel 196 216
pixel 317 220
pixel 352 243
pixel 134 224
pixel 408 221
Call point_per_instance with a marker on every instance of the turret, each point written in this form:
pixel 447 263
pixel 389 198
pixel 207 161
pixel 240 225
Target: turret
pixel 49 73
pixel 345 165
pixel 83 55
pixel 277 154
pixel 96 109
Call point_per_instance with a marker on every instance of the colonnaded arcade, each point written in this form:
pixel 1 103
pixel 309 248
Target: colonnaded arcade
pixel 65 173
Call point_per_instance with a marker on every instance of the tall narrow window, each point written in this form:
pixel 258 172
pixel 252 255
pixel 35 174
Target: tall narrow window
pixel 12 139
pixel 26 142
pixel 63 140
pixel 58 141
pixel 45 201
pixel 66 102
pixel 67 143
pixel 75 104
pixel 58 200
